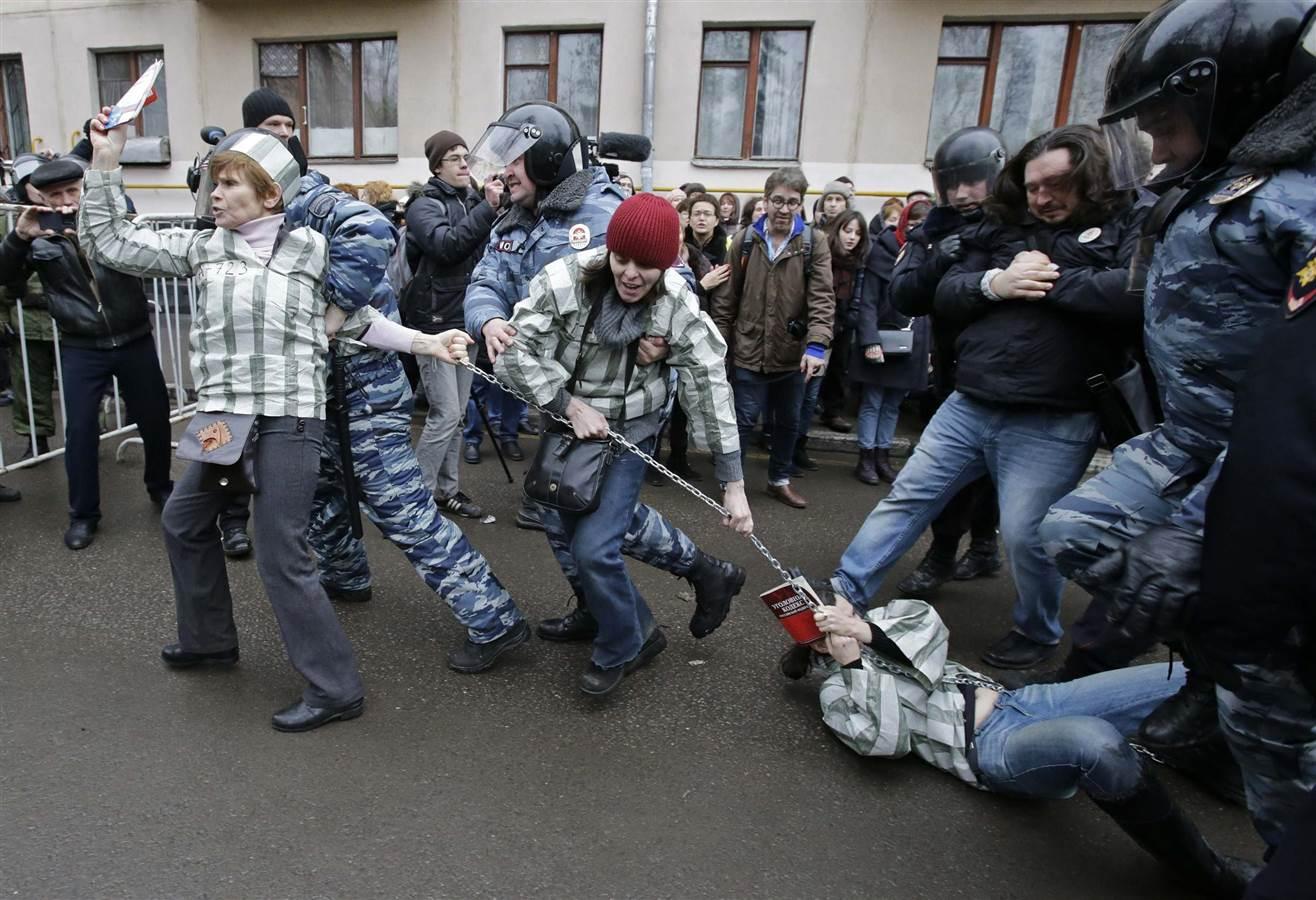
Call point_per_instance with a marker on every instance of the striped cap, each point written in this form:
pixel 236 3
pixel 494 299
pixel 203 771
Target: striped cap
pixel 270 154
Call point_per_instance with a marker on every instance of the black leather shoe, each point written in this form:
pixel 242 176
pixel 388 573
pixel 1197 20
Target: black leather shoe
pixel 681 466
pixel 529 516
pixel 512 450
pixel 237 544
pixel 471 453
pixel 43 446
pixel 716 582
pixel 10 495
pixel 1186 718
pixel 577 625
pixel 176 657
pixel 932 573
pixel 527 427
pixel 343 596
pixel 1078 664
pixel 80 534
pixel 600 682
pixel 160 496
pixel 981 561
pixel 302 717
pixel 655 644
pixel 471 657
pixel 1014 651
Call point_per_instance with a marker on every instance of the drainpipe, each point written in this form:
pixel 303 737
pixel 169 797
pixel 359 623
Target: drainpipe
pixel 650 61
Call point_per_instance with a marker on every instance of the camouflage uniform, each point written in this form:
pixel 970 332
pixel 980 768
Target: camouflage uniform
pixel 521 244
pixel 379 402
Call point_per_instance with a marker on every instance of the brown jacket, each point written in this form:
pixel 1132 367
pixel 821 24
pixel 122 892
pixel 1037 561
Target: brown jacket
pixel 761 297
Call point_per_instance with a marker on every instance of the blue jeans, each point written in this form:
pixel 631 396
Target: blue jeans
pixel 1049 740
pixel 809 404
pixel 879 410
pixel 780 395
pixel 1034 457
pixel 596 540
pixel 504 411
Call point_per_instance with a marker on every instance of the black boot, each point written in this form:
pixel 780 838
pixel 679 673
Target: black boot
pixel 715 582
pixel 934 571
pixel 866 469
pixel 1157 825
pixel 983 559
pixel 801 458
pixel 679 463
pixel 883 465
pixel 577 625
pixel 1184 731
pixel 43 446
pixel 1077 664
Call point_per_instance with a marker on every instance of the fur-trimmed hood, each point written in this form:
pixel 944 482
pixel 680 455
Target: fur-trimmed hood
pixel 563 200
pixel 1284 136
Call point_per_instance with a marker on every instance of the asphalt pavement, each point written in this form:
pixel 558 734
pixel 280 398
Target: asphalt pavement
pixel 706 775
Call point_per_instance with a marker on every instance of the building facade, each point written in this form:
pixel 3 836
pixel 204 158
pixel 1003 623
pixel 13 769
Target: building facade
pixel 864 88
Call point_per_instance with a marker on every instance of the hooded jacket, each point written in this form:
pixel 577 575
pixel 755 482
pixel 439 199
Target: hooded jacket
pixel 447 229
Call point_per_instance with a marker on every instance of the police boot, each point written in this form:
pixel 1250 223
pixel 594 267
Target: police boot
pixel 577 625
pixel 530 516
pixel 885 470
pixel 715 582
pixel 1157 825
pixel 934 571
pixel 866 469
pixel 982 560
pixel 1184 731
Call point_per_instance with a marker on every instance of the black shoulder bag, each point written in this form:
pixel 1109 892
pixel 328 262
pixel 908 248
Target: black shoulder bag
pixel 567 472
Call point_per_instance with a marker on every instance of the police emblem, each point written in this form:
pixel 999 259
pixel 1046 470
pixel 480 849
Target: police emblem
pixel 1089 235
pixel 578 236
pixel 1237 188
pixel 1302 290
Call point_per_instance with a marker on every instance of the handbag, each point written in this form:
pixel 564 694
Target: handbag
pixel 567 472
pixel 225 445
pixel 896 341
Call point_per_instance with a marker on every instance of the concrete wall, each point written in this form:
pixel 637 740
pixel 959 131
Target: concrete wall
pixel 867 93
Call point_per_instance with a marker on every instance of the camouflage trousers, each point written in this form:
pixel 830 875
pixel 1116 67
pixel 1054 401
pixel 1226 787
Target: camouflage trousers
pixel 394 497
pixel 650 538
pixel 1144 486
pixel 1269 720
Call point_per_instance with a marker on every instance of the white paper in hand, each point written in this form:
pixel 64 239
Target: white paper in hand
pixel 142 92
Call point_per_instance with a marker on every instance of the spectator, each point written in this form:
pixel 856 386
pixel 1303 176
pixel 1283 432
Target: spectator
pixel 694 187
pixel 705 232
pixel 777 320
pixel 676 196
pixel 753 212
pixel 379 194
pixel 626 184
pixel 1035 326
pixel 890 215
pixel 836 198
pixel 105 332
pixel 350 190
pixel 448 226
pixel 728 210
pixel 918 195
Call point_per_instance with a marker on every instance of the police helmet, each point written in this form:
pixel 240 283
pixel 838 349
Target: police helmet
pixel 540 131
pixel 968 156
pixel 1190 79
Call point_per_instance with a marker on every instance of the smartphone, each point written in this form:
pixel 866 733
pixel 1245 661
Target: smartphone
pixel 57 221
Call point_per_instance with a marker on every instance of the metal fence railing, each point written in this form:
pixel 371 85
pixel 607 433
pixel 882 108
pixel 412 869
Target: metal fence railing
pixel 171 301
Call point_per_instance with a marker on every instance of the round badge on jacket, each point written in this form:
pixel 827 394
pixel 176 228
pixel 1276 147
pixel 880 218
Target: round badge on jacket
pixel 1090 235
pixel 578 236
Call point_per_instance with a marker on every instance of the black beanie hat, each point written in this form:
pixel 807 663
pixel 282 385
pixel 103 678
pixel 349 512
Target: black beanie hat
pixel 438 144
pixel 262 103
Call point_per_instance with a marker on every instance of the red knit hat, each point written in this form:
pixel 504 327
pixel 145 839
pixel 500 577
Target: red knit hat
pixel 646 229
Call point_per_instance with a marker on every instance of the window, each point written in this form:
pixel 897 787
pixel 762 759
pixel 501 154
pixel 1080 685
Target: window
pixel 751 93
pixel 1021 79
pixel 116 72
pixel 562 67
pixel 344 94
pixel 15 135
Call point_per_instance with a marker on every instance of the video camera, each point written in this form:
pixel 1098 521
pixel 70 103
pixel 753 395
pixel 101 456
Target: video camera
pixel 198 176
pixel 616 145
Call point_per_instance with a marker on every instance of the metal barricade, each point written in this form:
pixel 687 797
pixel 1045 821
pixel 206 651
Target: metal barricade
pixel 172 301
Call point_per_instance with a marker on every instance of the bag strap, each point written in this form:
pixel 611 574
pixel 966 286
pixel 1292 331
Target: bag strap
pixel 747 244
pixel 632 353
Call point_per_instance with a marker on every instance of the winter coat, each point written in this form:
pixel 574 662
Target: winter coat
pixel 875 313
pixel 765 295
pixel 716 248
pixel 447 229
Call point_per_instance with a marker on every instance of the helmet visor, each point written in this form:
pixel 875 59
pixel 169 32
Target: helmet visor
pixel 966 186
pixel 501 144
pixel 1162 138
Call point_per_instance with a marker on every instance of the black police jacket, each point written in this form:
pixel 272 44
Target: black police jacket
pixel 96 308
pixel 1042 352
pixel 447 230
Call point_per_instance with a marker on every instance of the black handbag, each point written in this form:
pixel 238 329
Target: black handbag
pixel 567 472
pixel 896 341
pixel 225 445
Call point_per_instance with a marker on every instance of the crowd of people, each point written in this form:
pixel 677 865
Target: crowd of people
pixel 1141 284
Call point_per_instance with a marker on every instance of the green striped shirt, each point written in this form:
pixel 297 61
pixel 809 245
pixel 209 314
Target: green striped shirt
pixel 258 343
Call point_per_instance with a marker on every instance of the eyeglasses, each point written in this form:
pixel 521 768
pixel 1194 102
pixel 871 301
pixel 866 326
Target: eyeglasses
pixel 779 202
pixel 456 158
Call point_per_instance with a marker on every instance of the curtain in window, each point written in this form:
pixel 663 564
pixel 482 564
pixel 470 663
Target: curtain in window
pixel 780 94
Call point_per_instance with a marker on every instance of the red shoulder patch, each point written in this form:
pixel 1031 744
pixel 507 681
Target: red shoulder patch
pixel 1302 289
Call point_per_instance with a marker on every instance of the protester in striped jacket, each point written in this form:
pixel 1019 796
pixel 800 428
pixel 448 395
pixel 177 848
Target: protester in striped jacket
pixel 258 347
pixel 592 309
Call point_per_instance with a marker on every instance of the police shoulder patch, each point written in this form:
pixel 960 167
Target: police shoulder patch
pixel 323 205
pixel 1302 290
pixel 1244 184
pixel 578 236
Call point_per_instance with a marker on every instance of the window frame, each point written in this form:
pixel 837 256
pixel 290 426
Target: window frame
pixel 134 72
pixel 751 88
pixel 358 113
pixel 553 35
pixel 7 147
pixel 991 62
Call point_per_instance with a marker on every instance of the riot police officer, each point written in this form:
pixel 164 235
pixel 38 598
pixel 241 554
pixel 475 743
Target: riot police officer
pixel 560 204
pixel 1187 98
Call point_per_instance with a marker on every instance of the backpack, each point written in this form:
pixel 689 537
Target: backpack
pixel 399 269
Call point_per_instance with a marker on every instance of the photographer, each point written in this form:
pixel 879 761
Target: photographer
pixel 105 332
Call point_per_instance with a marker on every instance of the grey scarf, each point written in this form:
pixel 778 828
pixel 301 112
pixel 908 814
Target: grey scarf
pixel 618 323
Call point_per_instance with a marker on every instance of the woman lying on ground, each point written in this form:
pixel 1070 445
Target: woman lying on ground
pixel 575 351
pixel 258 347
pixel 1044 741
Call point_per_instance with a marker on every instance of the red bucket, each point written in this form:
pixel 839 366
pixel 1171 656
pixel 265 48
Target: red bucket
pixel 794 614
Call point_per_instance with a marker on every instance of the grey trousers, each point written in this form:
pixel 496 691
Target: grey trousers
pixel 439 449
pixel 287 466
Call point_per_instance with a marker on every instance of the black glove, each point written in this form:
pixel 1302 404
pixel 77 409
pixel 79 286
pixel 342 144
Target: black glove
pixel 951 248
pixel 1154 581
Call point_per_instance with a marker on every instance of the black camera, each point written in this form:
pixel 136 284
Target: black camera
pixel 57 221
pixel 797 328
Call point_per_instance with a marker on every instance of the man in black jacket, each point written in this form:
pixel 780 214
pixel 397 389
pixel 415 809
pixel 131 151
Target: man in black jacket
pixel 447 228
pixel 105 332
pixel 1040 299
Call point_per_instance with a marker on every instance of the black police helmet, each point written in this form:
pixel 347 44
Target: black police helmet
pixel 969 155
pixel 554 154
